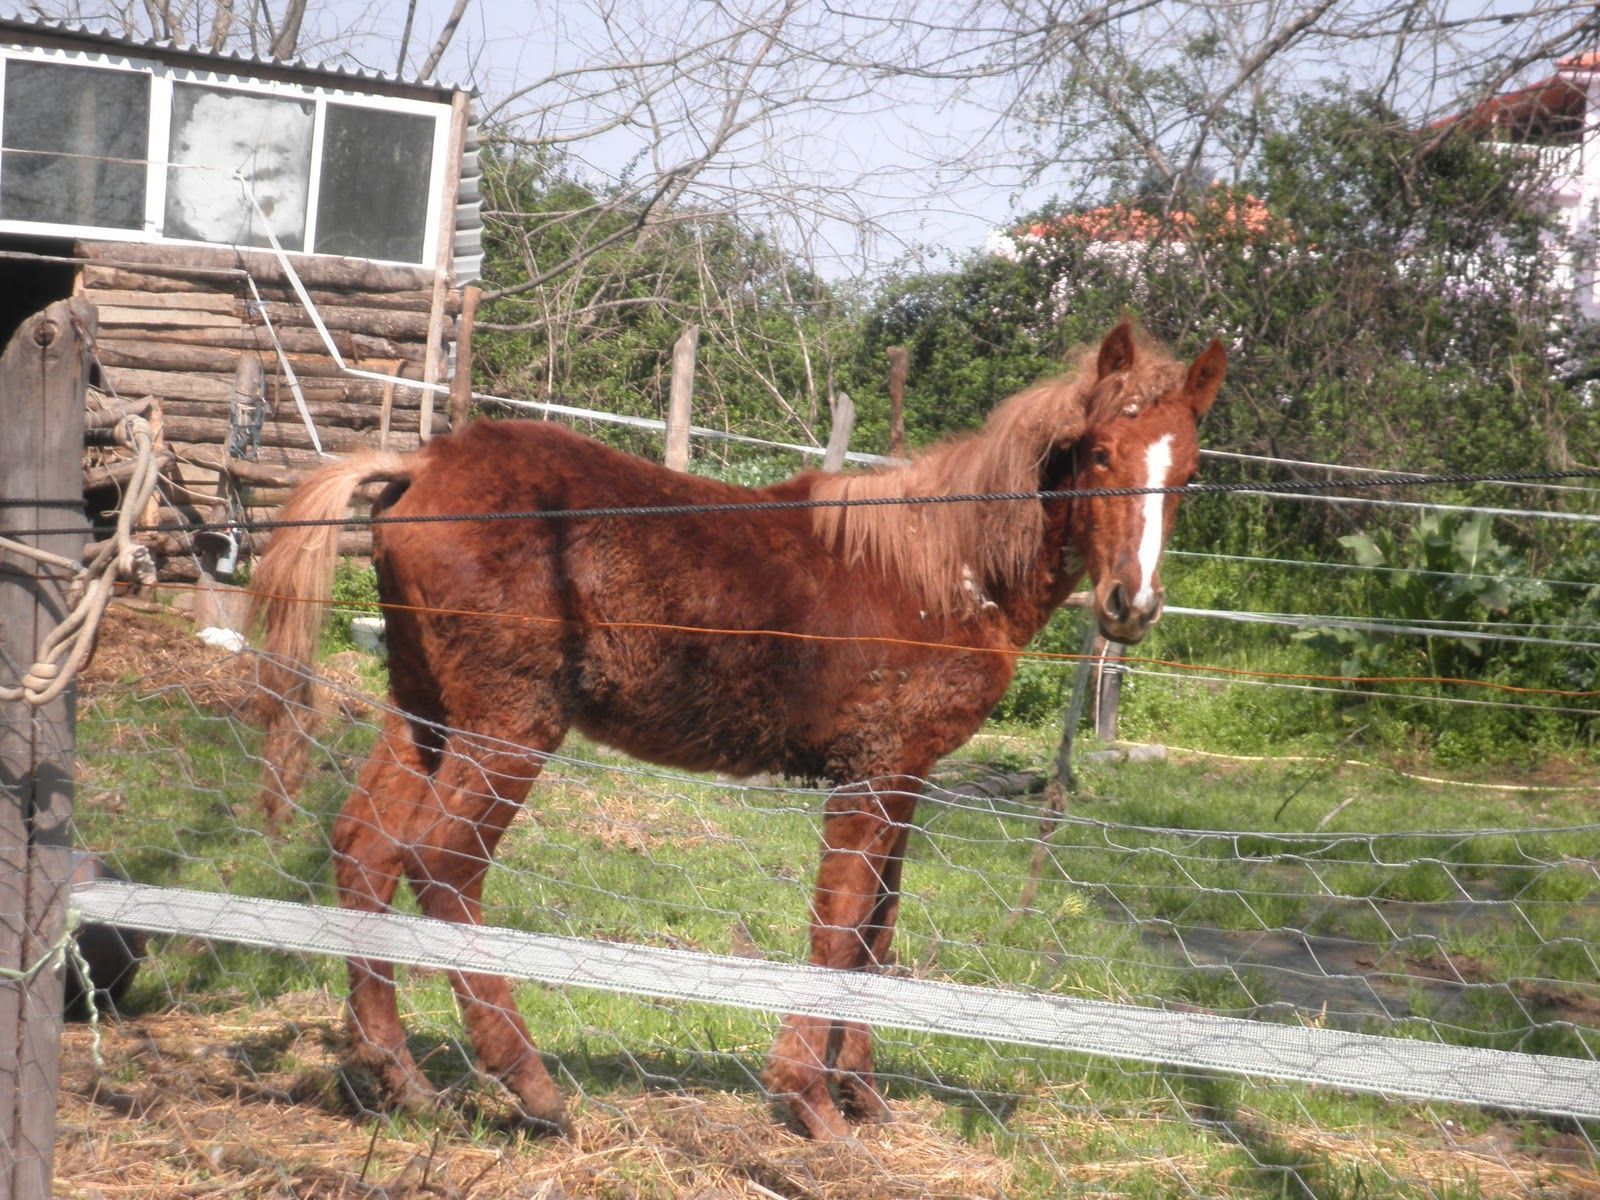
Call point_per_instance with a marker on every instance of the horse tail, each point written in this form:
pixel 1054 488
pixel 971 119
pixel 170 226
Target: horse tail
pixel 290 591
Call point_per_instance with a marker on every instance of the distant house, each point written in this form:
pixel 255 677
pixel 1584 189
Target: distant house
pixel 1556 122
pixel 1133 241
pixel 1121 228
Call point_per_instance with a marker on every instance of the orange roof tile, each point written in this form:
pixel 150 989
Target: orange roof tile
pixel 1124 223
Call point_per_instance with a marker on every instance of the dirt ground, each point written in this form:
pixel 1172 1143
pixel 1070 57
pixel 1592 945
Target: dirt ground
pixel 250 1103
pixel 156 647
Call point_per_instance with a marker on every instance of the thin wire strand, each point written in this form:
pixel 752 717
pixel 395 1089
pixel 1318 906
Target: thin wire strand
pixel 1292 489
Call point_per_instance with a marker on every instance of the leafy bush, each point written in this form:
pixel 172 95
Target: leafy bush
pixel 355 594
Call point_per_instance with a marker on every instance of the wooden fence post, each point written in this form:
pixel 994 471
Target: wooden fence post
pixel 681 398
pixel 844 422
pixel 1074 713
pixel 41 487
pixel 461 381
pixel 899 366
pixel 1109 693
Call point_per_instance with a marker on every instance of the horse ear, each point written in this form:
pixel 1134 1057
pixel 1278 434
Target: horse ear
pixel 1205 377
pixel 1116 352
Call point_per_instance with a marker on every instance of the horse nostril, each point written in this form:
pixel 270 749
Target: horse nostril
pixel 1117 602
pixel 1158 603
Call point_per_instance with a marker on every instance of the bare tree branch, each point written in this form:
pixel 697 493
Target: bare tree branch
pixel 442 43
pixel 405 38
pixel 287 39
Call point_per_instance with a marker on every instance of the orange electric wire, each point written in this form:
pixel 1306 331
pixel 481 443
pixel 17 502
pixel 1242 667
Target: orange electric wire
pixel 1034 655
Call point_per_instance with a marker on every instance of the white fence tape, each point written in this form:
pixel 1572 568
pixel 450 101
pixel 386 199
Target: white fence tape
pixel 1361 1062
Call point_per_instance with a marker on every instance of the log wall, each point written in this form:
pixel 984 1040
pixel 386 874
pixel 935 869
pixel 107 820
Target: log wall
pixel 175 322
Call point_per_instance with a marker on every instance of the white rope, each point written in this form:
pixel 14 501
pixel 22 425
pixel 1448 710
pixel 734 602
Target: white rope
pixel 67 647
pixel 1361 1062
pixel 289 376
pixel 695 430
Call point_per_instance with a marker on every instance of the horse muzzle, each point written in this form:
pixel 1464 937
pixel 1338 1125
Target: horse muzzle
pixel 1123 616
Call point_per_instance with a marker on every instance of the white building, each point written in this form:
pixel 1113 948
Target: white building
pixel 1557 122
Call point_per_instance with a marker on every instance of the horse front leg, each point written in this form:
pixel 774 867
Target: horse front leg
pixel 852 923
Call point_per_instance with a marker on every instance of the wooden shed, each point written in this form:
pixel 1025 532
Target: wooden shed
pixel 276 251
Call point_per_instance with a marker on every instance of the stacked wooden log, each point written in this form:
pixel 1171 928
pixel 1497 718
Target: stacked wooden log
pixel 181 324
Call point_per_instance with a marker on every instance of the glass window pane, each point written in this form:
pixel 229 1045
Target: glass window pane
pixel 75 143
pixel 375 181
pixel 217 132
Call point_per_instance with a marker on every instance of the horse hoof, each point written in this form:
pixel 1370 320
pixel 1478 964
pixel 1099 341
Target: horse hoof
pixel 543 1125
pixel 539 1106
pixel 386 1085
pixel 543 1115
pixel 816 1115
pixel 862 1102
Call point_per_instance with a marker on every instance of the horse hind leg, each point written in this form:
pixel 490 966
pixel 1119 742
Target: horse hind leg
pixel 369 838
pixel 478 792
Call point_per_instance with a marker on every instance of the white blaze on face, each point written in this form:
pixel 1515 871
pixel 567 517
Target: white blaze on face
pixel 1157 462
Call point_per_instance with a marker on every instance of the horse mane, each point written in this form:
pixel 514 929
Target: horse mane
pixel 945 553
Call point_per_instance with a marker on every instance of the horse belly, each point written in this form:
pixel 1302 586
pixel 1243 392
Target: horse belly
pixel 685 701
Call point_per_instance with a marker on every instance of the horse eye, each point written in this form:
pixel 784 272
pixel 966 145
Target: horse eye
pixel 1102 457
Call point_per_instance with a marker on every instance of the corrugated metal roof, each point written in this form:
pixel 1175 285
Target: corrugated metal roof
pixel 102 34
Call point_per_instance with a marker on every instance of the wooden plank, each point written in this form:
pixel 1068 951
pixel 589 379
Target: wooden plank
pixel 215 386
pixel 323 412
pixel 282 458
pixel 899 365
pixel 168 356
pixel 42 378
pixel 844 423
pixel 336 274
pixel 461 380
pixel 130 341
pixel 116 314
pixel 98 279
pixel 1108 695
pixel 250 474
pixel 355 318
pixel 284 430
pixel 215 302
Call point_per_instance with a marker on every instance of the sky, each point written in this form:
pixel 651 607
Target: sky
pixel 868 178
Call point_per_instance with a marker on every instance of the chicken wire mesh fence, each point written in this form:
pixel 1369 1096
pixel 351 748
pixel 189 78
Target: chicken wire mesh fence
pixel 1107 1001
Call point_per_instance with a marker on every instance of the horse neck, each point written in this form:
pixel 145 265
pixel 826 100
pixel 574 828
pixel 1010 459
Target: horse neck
pixel 1028 603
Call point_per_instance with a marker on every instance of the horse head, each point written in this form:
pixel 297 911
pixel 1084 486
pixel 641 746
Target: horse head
pixel 1138 440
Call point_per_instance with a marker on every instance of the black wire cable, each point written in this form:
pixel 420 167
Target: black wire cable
pixel 1307 487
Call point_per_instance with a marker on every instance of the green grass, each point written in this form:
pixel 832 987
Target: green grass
pixel 1139 901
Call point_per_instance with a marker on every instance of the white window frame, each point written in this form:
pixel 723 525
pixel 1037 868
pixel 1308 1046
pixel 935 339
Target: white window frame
pixel 163 78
